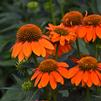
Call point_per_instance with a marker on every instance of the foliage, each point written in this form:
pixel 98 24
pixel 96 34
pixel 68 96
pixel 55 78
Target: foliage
pixel 14 13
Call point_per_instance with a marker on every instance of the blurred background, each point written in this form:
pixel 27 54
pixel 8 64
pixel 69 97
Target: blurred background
pixel 13 14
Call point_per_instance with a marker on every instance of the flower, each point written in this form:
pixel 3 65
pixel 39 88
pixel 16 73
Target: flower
pixel 91 28
pixel 29 38
pixel 87 72
pixel 61 34
pixel 72 18
pixel 63 49
pixel 50 71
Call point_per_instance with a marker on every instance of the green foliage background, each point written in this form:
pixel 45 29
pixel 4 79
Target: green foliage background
pixel 13 14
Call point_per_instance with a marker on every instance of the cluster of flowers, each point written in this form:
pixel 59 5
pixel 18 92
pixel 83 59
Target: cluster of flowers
pixel 58 40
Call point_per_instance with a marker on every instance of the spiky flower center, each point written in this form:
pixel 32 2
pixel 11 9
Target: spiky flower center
pixel 61 31
pixel 72 18
pixel 88 63
pixel 92 20
pixel 48 65
pixel 28 32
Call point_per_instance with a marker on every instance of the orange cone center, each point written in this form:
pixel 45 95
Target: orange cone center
pixel 48 65
pixel 72 18
pixel 88 63
pixel 92 20
pixel 28 32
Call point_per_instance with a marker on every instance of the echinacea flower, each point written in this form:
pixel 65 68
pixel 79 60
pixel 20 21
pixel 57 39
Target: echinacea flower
pixel 61 34
pixel 29 38
pixel 91 28
pixel 50 72
pixel 87 72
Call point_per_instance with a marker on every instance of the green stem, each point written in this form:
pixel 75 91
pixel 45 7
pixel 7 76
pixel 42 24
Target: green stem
pixel 88 95
pixel 96 50
pixel 78 49
pixel 56 56
pixel 54 95
pixel 52 12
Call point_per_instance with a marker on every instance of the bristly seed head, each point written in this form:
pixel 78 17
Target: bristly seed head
pixel 48 65
pixel 72 18
pixel 28 32
pixel 93 20
pixel 87 63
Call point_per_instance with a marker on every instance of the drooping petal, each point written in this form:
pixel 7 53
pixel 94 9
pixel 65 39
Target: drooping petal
pixel 44 80
pixel 37 72
pixel 89 82
pixel 73 71
pixel 58 77
pixel 85 76
pixel 78 77
pixel 38 79
pixel 53 82
pixel 98 31
pixel 27 49
pixel 20 56
pixel 99 75
pixel 89 33
pixel 43 50
pixel 45 43
pixel 81 32
pixel 16 49
pixel 36 48
pixel 63 72
pixel 94 78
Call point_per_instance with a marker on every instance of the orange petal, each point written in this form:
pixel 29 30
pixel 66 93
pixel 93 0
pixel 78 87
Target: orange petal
pixel 63 71
pixel 99 75
pixel 36 48
pixel 58 77
pixel 20 56
pixel 62 64
pixel 78 77
pixel 89 82
pixel 52 82
pixel 43 50
pixel 16 49
pixel 81 32
pixel 62 40
pixel 44 80
pixel 83 83
pixel 72 71
pixel 37 72
pixel 27 49
pixel 38 79
pixel 89 34
pixel 94 78
pixel 85 76
pixel 45 43
pixel 98 31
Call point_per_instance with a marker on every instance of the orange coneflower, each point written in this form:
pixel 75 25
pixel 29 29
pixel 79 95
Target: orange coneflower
pixel 72 20
pixel 61 34
pixel 87 72
pixel 91 28
pixel 50 71
pixel 30 39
